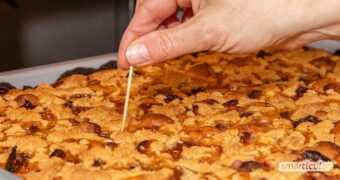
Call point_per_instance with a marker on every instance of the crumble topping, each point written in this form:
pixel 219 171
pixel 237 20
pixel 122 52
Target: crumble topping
pixel 200 116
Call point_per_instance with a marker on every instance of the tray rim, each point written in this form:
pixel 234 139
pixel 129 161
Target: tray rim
pixel 50 72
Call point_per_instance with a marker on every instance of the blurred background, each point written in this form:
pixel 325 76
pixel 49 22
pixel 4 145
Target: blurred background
pixel 37 32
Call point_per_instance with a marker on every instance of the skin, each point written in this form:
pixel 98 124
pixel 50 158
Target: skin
pixel 155 35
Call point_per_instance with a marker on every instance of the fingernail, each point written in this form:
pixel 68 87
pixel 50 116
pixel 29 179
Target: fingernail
pixel 137 54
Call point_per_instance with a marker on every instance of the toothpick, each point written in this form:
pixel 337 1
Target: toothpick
pixel 127 97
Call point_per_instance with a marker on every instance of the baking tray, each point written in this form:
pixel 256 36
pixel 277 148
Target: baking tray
pixel 50 73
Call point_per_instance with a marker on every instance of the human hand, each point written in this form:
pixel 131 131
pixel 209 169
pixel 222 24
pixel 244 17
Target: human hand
pixel 224 26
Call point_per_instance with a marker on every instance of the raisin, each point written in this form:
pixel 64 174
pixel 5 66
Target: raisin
pixel 29 105
pixel 76 96
pixel 137 73
pixel 73 121
pixel 33 129
pixel 176 151
pixel 314 156
pixel 91 127
pixel 221 127
pixel 104 134
pixel 96 128
pixel 171 97
pixel 246 114
pixel 16 162
pixel 195 54
pixel 27 87
pixel 262 54
pixel 232 102
pixel 98 163
pixel 47 115
pixel 334 86
pixel 29 101
pixel 119 106
pixel 143 146
pixel 147 103
pixel 305 48
pixel 256 94
pixel 285 114
pixel 111 145
pixel 68 104
pixel 189 143
pixel 145 106
pixel 300 91
pixel 209 101
pixel 108 65
pixel 308 118
pixel 195 109
pixel 65 156
pixel 245 138
pixel 78 70
pixel 196 90
pixel 177 173
pixel 248 166
pixel 5 87
pixel 75 109
pixel 57 83
pixel 337 52
pixel 58 153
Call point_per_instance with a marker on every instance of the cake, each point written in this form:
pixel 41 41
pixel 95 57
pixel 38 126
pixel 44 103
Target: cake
pixel 200 116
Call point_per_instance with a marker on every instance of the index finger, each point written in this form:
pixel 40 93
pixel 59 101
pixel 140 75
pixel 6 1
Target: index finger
pixel 148 17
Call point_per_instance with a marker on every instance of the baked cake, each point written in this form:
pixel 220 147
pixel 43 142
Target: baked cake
pixel 201 116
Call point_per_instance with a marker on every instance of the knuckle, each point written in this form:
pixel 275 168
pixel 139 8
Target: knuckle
pixel 163 46
pixel 147 9
pixel 210 36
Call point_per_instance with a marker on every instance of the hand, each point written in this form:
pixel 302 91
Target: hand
pixel 225 26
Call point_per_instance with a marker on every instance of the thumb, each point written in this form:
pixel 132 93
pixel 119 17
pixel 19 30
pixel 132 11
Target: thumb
pixel 165 44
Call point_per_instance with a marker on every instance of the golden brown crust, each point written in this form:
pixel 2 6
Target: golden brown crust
pixel 202 116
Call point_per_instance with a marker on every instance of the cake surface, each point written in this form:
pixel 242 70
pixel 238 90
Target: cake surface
pixel 201 116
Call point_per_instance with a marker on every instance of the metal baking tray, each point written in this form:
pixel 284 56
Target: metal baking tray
pixel 49 74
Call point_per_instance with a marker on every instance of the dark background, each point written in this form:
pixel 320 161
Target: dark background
pixel 36 32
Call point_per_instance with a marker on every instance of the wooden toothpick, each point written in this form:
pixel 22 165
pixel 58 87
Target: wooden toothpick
pixel 127 97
